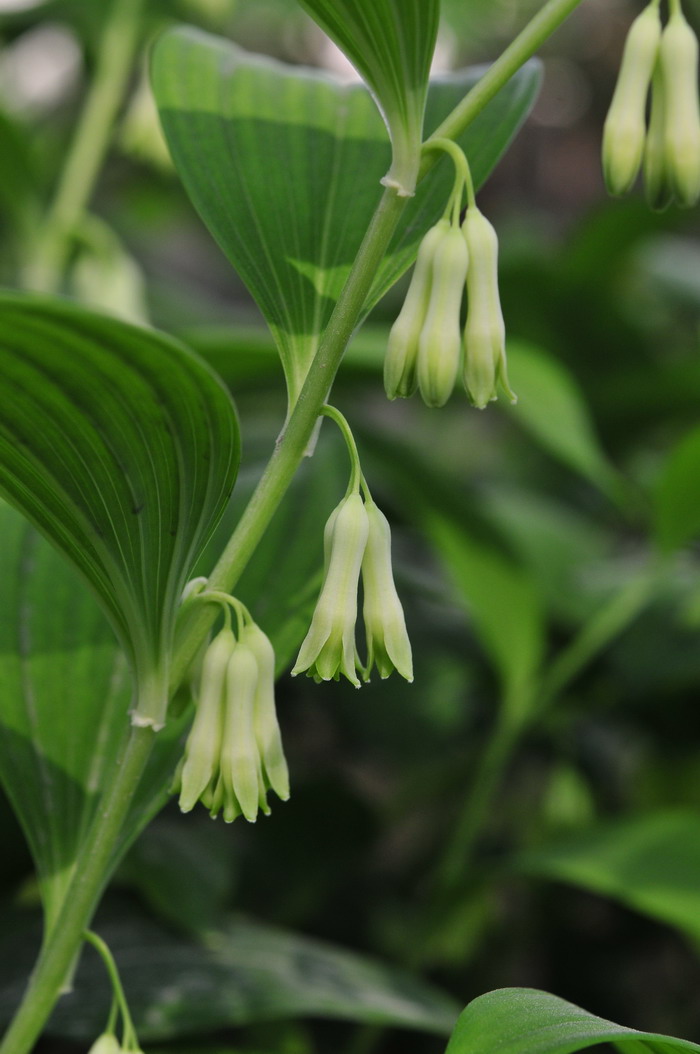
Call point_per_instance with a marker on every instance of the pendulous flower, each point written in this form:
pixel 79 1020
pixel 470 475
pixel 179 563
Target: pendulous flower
pixel 388 645
pixel 439 344
pixel 329 647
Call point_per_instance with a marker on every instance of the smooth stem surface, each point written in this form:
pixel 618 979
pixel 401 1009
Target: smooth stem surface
pixel 293 442
pixel 47 262
pixel 535 33
pixel 92 871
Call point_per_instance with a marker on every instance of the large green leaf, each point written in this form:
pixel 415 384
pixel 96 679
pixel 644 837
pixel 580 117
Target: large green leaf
pixel 283 165
pixel 526 1021
pixel 677 512
pixel 121 446
pixel 64 696
pixel 391 44
pixel 650 863
pixel 244 972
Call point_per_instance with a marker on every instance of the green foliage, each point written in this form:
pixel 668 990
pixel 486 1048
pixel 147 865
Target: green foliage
pixel 284 167
pixel 525 1021
pixel 122 448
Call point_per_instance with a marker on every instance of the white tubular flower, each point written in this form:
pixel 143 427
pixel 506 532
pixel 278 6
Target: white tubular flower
pixel 329 647
pixel 106 1044
pixel 240 779
pixel 402 349
pixel 485 332
pixel 201 761
pixel 387 640
pixel 625 126
pixel 267 733
pixel 656 183
pixel 439 344
pixel 678 60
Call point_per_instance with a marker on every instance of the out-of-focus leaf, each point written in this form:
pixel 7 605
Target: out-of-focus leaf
pixel 65 690
pixel 391 44
pixel 650 863
pixel 502 600
pixel 184 870
pixel 244 973
pixel 122 447
pixel 552 409
pixel 677 519
pixel 526 1021
pixel 283 165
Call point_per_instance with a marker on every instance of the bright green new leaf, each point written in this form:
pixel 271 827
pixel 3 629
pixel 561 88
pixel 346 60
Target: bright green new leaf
pixel 244 972
pixel 391 44
pixel 503 602
pixel 65 689
pixel 677 519
pixel 650 863
pixel 553 409
pixel 121 446
pixel 526 1021
pixel 284 165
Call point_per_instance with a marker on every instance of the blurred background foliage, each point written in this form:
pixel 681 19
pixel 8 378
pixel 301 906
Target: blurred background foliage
pixel 576 868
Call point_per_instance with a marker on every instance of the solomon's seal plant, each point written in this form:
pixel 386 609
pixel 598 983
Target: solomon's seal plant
pixel 119 451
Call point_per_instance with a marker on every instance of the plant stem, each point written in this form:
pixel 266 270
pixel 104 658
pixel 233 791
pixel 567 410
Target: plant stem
pixel 528 41
pixel 293 442
pixel 92 870
pixel 44 269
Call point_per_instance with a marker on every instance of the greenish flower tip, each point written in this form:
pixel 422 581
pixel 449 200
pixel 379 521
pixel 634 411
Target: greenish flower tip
pixel 670 146
pixel 233 754
pixel 106 1044
pixel 426 348
pixel 357 541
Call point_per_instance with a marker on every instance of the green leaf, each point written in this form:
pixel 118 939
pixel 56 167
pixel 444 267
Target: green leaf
pixel 502 600
pixel 391 44
pixel 121 446
pixel 552 408
pixel 650 863
pixel 245 972
pixel 284 164
pixel 64 695
pixel 526 1021
pixel 677 511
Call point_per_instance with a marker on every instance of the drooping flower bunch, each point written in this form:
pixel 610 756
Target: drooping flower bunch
pixel 233 754
pixel 664 60
pixel 357 542
pixel 427 348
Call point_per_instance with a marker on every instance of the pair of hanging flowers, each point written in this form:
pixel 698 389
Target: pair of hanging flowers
pixel 665 60
pixel 427 348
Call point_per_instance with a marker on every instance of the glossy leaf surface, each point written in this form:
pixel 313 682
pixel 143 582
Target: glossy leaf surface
pixel 284 164
pixel 65 690
pixel 526 1021
pixel 678 495
pixel 121 446
pixel 391 44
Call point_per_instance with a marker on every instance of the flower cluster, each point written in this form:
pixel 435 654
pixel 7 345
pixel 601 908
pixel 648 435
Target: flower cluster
pixel 426 348
pixel 357 540
pixel 234 754
pixel 669 149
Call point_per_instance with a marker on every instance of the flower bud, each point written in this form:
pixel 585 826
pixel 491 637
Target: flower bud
pixel 387 640
pixel 201 761
pixel 402 348
pixel 241 780
pixel 106 1044
pixel 625 125
pixel 267 732
pixel 656 184
pixel 484 333
pixel 439 345
pixel 329 647
pixel 678 59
